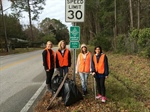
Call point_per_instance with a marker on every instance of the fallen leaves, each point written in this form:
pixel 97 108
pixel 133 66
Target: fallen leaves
pixel 127 89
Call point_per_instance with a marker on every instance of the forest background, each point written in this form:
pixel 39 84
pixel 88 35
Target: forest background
pixel 122 26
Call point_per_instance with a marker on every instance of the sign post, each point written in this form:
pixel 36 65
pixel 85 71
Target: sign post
pixel 74 43
pixel 74 12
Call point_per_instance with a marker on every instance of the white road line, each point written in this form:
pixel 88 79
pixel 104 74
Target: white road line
pixel 33 98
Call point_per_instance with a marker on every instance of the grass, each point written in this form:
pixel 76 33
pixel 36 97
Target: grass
pixel 127 88
pixel 132 74
pixel 18 50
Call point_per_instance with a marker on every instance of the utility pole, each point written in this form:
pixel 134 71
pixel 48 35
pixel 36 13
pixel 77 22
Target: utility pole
pixel 6 40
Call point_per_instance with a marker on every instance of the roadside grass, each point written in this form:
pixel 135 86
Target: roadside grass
pixel 133 73
pixel 127 88
pixel 18 50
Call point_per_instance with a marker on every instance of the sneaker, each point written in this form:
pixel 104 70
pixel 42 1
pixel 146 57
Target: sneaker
pixel 103 99
pixel 98 96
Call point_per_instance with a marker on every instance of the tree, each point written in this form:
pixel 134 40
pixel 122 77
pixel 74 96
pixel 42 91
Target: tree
pixel 28 34
pixel 138 13
pixel 99 18
pixel 13 28
pixel 35 7
pixel 144 14
pixel 48 26
pixel 131 14
pixel 4 26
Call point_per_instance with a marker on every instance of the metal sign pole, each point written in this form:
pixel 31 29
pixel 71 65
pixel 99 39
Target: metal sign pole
pixel 74 15
pixel 74 61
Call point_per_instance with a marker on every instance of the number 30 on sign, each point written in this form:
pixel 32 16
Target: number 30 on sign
pixel 74 10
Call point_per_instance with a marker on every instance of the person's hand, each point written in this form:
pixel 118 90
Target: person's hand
pixel 55 70
pixel 76 72
pixel 90 70
pixel 90 73
pixel 106 77
pixel 47 70
pixel 93 73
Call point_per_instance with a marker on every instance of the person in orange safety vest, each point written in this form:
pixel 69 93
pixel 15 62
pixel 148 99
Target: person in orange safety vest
pixel 100 71
pixel 83 66
pixel 48 56
pixel 63 58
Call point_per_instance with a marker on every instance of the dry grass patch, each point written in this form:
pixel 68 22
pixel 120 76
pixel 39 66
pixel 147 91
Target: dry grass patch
pixel 127 89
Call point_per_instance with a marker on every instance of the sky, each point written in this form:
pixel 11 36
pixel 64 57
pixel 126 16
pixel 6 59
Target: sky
pixel 53 9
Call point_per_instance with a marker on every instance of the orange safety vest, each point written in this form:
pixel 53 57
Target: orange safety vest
pixel 63 60
pixel 99 66
pixel 84 64
pixel 48 58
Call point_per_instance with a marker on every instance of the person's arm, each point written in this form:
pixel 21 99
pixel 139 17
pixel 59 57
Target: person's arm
pixel 77 63
pixel 54 59
pixel 57 61
pixel 93 67
pixel 92 64
pixel 44 56
pixel 106 72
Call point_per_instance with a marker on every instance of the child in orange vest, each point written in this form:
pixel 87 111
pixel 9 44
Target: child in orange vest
pixel 100 71
pixel 83 66
pixel 63 58
pixel 48 56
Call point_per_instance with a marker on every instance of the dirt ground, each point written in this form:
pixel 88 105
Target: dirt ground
pixel 123 89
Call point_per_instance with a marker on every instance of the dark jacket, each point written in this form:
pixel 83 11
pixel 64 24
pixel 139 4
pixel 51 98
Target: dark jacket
pixel 106 68
pixel 44 56
pixel 69 59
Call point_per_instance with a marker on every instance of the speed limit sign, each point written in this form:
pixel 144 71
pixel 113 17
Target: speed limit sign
pixel 74 10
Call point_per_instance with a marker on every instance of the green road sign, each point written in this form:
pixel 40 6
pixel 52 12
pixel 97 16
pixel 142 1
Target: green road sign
pixel 74 33
pixel 74 44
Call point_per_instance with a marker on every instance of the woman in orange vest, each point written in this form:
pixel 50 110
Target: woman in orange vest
pixel 48 63
pixel 63 58
pixel 83 66
pixel 100 71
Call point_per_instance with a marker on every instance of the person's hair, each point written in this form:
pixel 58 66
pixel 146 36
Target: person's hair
pixel 85 51
pixel 59 44
pixel 99 48
pixel 49 42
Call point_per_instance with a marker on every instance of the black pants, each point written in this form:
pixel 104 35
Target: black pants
pixel 49 75
pixel 100 82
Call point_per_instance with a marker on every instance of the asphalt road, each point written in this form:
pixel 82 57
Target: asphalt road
pixel 20 77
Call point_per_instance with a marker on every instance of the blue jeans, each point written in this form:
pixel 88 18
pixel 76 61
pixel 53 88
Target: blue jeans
pixel 63 70
pixel 83 77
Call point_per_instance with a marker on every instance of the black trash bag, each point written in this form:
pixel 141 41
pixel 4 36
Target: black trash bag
pixel 71 94
pixel 55 83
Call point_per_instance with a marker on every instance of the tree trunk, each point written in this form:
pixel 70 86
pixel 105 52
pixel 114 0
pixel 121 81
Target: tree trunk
pixel 115 28
pixel 97 23
pixel 4 25
pixel 138 13
pixel 30 21
pixel 131 14
pixel 115 13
